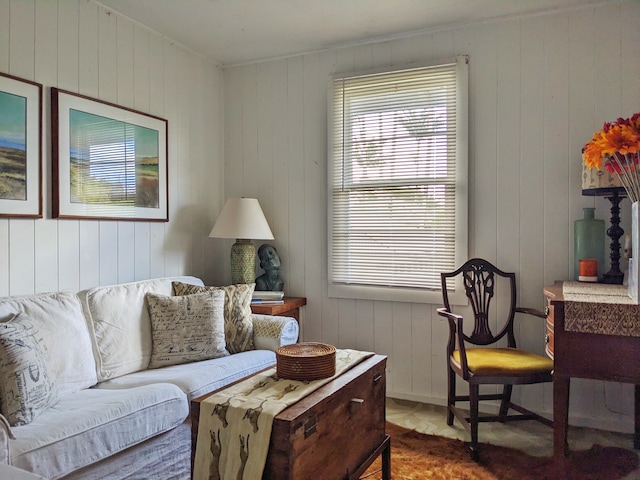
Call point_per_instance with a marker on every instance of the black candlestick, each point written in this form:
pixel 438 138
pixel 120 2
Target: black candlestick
pixel 614 194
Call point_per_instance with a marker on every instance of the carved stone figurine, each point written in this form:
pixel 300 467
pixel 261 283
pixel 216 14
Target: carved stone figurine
pixel 270 280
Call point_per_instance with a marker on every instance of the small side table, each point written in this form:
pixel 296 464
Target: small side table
pixel 290 308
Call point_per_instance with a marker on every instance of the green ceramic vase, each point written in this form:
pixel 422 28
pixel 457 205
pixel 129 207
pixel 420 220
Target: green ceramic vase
pixel 588 238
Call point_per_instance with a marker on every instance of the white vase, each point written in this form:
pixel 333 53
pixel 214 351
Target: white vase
pixel 634 263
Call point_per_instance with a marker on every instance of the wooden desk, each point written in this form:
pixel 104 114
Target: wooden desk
pixel 585 344
pixel 290 308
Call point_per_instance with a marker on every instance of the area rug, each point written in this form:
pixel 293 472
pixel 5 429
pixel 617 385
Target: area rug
pixel 417 456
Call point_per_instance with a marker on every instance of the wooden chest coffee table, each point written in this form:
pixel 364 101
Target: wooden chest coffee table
pixel 334 433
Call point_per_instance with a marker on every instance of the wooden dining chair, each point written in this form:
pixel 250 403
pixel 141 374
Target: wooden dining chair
pixel 482 357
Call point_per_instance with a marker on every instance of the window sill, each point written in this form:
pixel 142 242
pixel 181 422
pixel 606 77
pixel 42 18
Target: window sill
pixel 393 294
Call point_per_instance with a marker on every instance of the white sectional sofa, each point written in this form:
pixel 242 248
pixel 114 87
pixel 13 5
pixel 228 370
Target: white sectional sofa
pixel 91 408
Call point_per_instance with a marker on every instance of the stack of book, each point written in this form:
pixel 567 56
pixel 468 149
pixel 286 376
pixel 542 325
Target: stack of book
pixel 267 298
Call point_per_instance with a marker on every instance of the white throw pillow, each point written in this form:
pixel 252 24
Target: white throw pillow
pixel 186 329
pixel 119 325
pixel 26 385
pixel 59 319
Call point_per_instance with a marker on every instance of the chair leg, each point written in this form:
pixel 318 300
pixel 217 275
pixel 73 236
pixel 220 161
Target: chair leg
pixel 474 393
pixel 506 399
pixel 451 380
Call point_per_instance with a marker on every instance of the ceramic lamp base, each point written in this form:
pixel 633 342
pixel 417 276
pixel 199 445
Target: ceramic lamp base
pixel 243 262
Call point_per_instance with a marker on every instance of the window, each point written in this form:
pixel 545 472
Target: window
pixel 398 181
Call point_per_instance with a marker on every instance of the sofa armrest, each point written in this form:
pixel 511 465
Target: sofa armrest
pixel 5 435
pixel 272 331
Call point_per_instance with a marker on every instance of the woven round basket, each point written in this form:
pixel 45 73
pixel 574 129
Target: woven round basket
pixel 306 361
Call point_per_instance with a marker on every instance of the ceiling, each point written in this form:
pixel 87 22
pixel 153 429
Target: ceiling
pixel 233 32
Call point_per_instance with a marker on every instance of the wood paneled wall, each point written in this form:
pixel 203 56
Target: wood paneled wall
pixel 78 45
pixel 539 87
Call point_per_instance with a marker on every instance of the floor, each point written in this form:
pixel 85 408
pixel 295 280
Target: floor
pixel 533 437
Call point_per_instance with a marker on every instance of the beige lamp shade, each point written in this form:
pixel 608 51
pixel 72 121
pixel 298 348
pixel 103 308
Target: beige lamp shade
pixel 242 219
pixel 592 178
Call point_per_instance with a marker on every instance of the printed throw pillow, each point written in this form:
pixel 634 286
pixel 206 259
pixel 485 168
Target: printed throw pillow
pixel 186 329
pixel 26 385
pixel 238 325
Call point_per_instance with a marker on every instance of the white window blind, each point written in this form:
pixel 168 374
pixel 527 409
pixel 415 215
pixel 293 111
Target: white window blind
pixel 397 175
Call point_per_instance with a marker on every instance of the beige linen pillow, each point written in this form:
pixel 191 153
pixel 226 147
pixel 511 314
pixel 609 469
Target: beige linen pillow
pixel 26 385
pixel 238 325
pixel 186 329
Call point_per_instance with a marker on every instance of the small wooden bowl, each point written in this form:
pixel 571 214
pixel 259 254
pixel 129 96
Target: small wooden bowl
pixel 306 361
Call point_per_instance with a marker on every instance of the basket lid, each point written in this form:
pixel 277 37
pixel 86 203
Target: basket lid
pixel 306 349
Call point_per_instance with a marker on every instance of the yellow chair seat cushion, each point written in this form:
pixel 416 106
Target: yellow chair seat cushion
pixel 504 361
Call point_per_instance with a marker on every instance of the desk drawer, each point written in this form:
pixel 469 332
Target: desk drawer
pixel 548 336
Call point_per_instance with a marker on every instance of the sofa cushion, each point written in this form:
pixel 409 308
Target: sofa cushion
pixel 94 424
pixel 238 325
pixel 58 317
pixel 198 378
pixel 186 329
pixel 26 386
pixel 119 324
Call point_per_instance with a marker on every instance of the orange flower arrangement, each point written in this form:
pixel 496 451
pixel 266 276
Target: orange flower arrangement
pixel 617 148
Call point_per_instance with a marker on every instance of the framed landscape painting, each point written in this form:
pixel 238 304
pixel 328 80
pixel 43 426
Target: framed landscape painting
pixel 20 147
pixel 108 162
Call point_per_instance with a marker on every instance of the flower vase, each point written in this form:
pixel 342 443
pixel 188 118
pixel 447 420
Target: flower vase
pixel 633 272
pixel 588 237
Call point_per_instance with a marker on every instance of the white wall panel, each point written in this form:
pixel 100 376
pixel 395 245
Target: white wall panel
pixel 5 31
pixel 401 344
pixel 107 91
pixel 382 338
pixel 531 182
pixel 21 258
pixel 174 232
pixel 483 169
pixel 508 117
pixel 420 355
pixel 531 242
pixel 82 47
pixel 88 49
pixel 108 267
pixel 21 40
pixel 141 88
pixel 296 173
pixel 89 260
pixel 4 257
pixel 539 87
pixel 67 79
pixel 435 346
pixel 45 62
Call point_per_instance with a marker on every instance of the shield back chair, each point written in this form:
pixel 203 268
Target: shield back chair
pixel 478 358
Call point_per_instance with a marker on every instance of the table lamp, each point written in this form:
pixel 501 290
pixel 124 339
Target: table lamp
pixel 603 183
pixel 242 219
